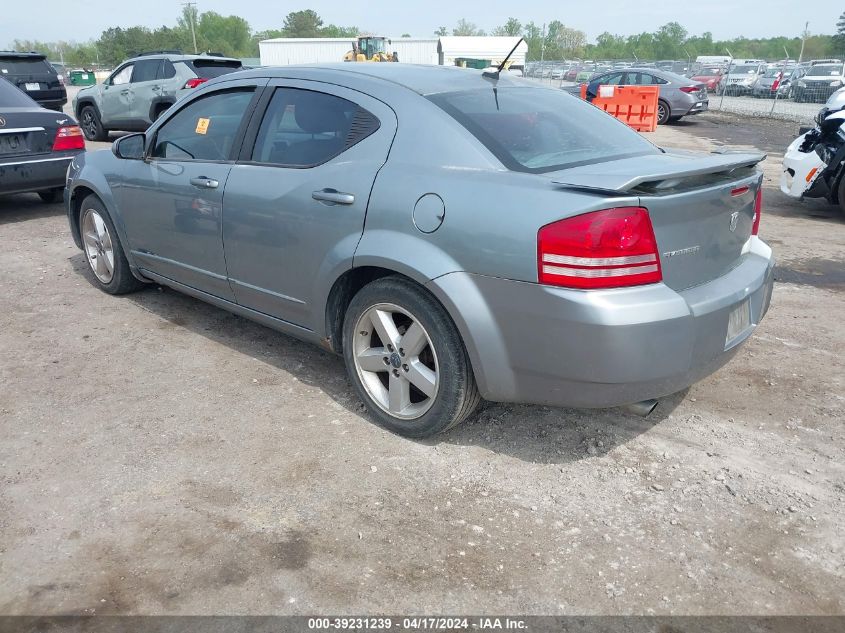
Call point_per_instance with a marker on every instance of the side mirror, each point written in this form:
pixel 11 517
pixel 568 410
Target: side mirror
pixel 130 147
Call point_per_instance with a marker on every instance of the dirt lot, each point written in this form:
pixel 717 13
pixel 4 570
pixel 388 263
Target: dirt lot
pixel 158 455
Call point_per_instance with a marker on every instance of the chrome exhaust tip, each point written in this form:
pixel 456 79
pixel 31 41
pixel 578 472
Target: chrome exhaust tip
pixel 641 409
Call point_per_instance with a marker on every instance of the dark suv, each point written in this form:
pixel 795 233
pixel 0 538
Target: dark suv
pixel 32 73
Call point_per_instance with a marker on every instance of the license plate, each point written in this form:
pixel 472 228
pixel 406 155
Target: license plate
pixel 32 86
pixel 12 144
pixel 739 321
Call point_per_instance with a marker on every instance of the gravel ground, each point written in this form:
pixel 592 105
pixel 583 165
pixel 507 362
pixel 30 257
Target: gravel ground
pixel 158 455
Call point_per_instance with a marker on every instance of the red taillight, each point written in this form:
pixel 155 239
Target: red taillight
pixel 690 89
pixel 758 209
pixel 603 249
pixel 193 83
pixel 69 137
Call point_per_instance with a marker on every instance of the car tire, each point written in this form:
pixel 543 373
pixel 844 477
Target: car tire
pixel 161 109
pixel 51 196
pixel 663 112
pixel 840 194
pixel 388 376
pixel 103 250
pixel 92 126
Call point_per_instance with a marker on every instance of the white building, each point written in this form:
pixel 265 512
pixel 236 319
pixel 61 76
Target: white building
pixel 284 51
pixel 451 48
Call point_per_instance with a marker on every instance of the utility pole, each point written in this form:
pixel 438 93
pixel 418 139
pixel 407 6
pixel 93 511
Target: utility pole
pixel 192 10
pixel 803 39
pixel 543 45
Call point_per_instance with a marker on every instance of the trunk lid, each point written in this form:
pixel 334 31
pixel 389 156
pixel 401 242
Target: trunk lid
pixel 28 132
pixel 701 206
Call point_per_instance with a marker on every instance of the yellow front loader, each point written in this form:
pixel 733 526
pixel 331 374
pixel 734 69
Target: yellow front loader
pixel 369 48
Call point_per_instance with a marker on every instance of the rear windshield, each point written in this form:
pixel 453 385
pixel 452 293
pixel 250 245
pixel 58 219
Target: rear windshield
pixel 25 66
pixel 211 68
pixel 12 97
pixel 539 129
pixel 823 70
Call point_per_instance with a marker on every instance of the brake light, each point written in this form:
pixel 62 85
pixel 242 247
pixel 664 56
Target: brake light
pixel 689 89
pixel 758 209
pixel 193 83
pixel 68 137
pixel 604 249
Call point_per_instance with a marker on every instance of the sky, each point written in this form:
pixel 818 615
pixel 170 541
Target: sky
pixel 724 18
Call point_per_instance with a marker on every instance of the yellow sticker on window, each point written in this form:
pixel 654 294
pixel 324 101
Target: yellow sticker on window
pixel 202 125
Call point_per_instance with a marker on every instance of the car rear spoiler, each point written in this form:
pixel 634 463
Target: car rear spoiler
pixel 657 173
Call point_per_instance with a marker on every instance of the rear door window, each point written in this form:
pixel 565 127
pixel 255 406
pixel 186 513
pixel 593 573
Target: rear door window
pixel 167 70
pixel 539 129
pixel 145 70
pixel 205 129
pixel 305 128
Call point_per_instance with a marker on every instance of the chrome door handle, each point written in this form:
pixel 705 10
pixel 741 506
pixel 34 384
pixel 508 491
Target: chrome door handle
pixel 204 183
pixel 333 196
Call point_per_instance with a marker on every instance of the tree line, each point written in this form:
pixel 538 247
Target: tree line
pixel 232 36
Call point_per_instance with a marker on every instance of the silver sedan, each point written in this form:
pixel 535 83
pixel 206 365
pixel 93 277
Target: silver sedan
pixel 454 235
pixel 679 95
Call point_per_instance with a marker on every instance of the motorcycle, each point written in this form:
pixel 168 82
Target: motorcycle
pixel 814 162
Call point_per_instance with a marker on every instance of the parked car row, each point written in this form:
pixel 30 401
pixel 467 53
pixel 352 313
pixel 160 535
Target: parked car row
pixel 812 81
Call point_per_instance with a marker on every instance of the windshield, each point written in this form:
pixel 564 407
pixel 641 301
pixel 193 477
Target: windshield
pixel 743 70
pixel 11 97
pixel 825 70
pixel 709 72
pixel 773 72
pixel 539 130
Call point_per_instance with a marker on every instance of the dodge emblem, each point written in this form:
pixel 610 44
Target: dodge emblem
pixel 734 218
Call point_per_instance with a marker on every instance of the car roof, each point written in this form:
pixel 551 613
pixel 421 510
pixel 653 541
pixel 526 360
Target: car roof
pixel 180 57
pixel 23 54
pixel 422 79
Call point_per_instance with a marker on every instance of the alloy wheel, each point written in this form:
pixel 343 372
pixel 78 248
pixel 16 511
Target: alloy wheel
pixel 396 361
pixel 89 124
pixel 99 249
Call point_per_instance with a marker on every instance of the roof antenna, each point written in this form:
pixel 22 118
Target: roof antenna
pixel 495 75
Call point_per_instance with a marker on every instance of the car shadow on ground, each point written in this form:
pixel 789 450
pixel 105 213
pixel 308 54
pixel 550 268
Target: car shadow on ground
pixel 529 433
pixel 21 207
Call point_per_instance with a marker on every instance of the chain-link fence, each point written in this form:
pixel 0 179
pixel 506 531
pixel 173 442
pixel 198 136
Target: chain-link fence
pixel 783 89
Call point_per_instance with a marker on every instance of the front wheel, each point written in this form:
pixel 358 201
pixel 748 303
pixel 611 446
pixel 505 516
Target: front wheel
pixel 92 126
pixel 663 112
pixel 406 359
pixel 103 249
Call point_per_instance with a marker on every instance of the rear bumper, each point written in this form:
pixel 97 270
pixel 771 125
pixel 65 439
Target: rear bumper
pixel 542 345
pixel 698 107
pixel 34 174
